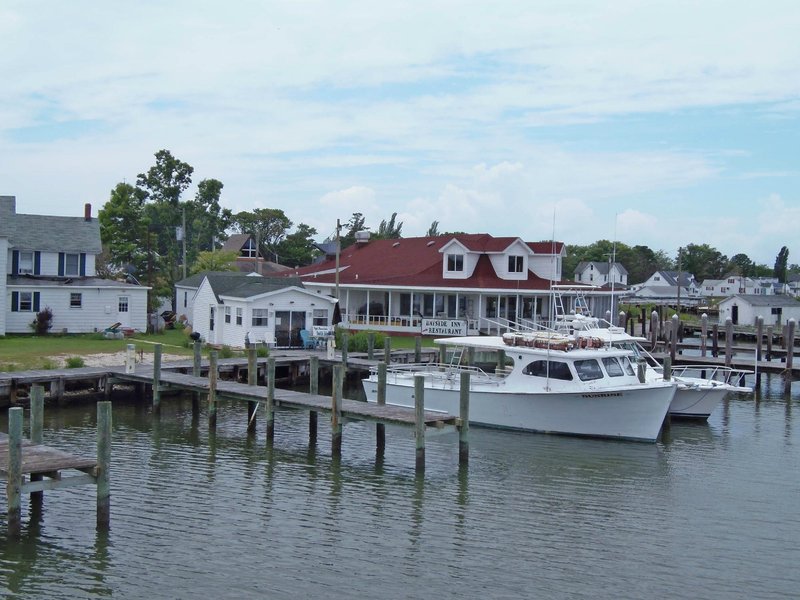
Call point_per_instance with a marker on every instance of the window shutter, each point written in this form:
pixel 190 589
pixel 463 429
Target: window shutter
pixel 60 264
pixel 35 301
pixel 14 301
pixel 37 263
pixel 15 263
pixel 82 272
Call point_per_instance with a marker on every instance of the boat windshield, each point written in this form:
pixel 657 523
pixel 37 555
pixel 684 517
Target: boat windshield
pixel 552 369
pixel 613 368
pixel 588 370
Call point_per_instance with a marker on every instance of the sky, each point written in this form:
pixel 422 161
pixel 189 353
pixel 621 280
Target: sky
pixel 648 122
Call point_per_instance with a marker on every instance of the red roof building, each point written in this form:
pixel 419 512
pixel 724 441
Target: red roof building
pixel 464 283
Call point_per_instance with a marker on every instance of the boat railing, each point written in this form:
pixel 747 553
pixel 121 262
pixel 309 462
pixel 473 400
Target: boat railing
pixel 720 373
pixel 440 371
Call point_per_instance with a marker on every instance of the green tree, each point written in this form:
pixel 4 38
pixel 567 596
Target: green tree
pixel 123 228
pixel 703 261
pixel 433 230
pixel 268 225
pixel 389 230
pixel 781 262
pixel 742 265
pixel 206 220
pixel 221 260
pixel 353 226
pixel 298 248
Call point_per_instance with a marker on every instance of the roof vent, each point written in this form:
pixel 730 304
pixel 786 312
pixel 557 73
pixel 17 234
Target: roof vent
pixel 395 245
pixel 362 237
pixel 431 243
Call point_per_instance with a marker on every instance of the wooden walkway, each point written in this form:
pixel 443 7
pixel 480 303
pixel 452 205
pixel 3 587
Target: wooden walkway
pixel 44 460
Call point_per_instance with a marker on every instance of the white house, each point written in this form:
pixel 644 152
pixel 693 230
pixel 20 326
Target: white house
pixel 736 284
pixel 601 274
pixel 50 262
pixel 743 309
pixel 232 308
pixel 664 286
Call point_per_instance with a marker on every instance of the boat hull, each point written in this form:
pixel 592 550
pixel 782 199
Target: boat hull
pixel 631 413
pixel 698 401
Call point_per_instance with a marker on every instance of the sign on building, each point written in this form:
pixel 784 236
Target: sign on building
pixel 456 327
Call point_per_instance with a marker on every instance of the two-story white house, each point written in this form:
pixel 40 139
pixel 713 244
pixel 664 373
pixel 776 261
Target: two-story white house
pixel 460 284
pixel 601 274
pixel 666 286
pixel 49 261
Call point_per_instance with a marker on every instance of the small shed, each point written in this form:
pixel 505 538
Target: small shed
pixel 744 309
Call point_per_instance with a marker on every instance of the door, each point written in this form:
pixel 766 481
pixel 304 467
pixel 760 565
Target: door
pixel 123 311
pixel 288 324
pixel 735 314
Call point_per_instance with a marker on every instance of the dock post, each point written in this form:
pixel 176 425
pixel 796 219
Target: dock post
pixel 419 422
pixel 653 329
pixel 673 335
pixel 197 358
pixel 641 369
pixel 666 424
pixel 336 411
pixel 252 380
pixel 103 473
pixel 471 356
pixel 157 377
pixel 715 340
pixel 463 413
pixel 770 334
pixel 728 342
pixel 270 406
pixel 703 334
pixel 371 345
pixel 345 344
pixel 212 390
pixel 667 368
pixel 501 361
pixel 622 320
pixel 417 349
pixel 37 426
pixel 14 483
pixel 313 388
pixel 380 428
pixel 759 342
pixel 442 355
pixel 387 350
pixel 643 321
pixel 789 354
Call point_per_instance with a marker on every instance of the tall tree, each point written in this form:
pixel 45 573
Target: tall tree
pixel 703 261
pixel 206 220
pixel 781 262
pixel 389 230
pixel 353 226
pixel 433 230
pixel 123 229
pixel 298 249
pixel 207 260
pixel 742 265
pixel 268 225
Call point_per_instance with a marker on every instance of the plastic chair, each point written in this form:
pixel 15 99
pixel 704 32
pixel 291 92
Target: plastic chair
pixel 305 336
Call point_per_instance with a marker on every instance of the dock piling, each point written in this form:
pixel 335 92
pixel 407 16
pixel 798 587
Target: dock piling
pixel 157 377
pixel 252 380
pixel 770 333
pixel 728 342
pixel 759 342
pixel 371 345
pixel 463 413
pixel 270 405
pixel 336 411
pixel 790 327
pixel 37 427
pixel 703 334
pixel 103 469
pixel 345 344
pixel 380 428
pixel 212 390
pixel 313 388
pixel 14 482
pixel 417 349
pixel 387 350
pixel 197 357
pixel 419 430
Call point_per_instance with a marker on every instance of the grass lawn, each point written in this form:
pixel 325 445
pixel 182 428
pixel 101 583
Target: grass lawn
pixel 22 352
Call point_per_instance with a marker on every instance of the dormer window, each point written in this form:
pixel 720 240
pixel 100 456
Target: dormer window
pixel 72 265
pixel 25 263
pixel 249 249
pixel 515 264
pixel 455 263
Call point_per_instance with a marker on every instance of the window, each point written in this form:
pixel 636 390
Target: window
pixel 588 370
pixel 731 280
pixel 26 301
pixel 260 317
pixel 185 299
pixel 227 314
pixel 25 263
pixel 238 316
pixel 211 315
pixel 72 264
pixel 320 317
pixel 515 264
pixel 613 367
pixel 656 278
pixel 75 300
pixel 249 249
pixel 551 369
pixel 455 263
pixel 122 305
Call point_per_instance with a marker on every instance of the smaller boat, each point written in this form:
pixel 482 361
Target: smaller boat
pixel 548 382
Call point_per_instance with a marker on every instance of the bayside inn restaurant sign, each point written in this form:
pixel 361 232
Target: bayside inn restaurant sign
pixel 444 327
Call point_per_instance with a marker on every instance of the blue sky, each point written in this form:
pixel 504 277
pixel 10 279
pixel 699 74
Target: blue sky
pixel 665 122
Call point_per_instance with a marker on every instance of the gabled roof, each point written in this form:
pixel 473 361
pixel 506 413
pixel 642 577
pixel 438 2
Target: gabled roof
pixel 236 242
pixel 417 262
pixel 242 285
pixel 671 277
pixel 765 300
pixel 194 281
pixel 600 266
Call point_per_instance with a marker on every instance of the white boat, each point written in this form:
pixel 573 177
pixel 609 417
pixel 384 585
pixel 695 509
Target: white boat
pixel 700 387
pixel 551 383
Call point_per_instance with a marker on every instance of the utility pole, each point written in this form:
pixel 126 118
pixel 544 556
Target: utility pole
pixel 338 251
pixel 680 258
pixel 258 252
pixel 183 240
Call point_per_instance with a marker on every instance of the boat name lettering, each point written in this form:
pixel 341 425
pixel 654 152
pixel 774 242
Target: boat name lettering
pixel 602 395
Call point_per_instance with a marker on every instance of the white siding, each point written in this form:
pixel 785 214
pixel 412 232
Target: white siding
pixel 5 296
pixel 99 309
pixel 544 264
pixel 199 318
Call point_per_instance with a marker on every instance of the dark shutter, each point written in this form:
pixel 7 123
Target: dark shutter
pixel 60 264
pixel 14 301
pixel 37 263
pixel 15 263
pixel 36 302
pixel 82 271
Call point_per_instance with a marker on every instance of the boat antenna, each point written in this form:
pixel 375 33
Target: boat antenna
pixel 613 259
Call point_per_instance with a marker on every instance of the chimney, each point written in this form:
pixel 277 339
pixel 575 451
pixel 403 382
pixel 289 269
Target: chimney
pixel 87 212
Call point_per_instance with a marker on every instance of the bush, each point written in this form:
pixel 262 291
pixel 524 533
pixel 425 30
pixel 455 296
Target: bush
pixel 359 341
pixel 43 321
pixel 75 362
pixel 225 352
pixel 262 352
pixel 49 364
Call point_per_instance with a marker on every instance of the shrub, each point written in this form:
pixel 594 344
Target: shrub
pixel 75 362
pixel 225 352
pixel 43 321
pixel 49 364
pixel 359 341
pixel 262 352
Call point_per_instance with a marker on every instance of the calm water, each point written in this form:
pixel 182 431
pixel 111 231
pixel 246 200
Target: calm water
pixel 712 513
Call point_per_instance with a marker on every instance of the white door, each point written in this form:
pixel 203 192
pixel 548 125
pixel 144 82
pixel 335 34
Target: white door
pixel 123 311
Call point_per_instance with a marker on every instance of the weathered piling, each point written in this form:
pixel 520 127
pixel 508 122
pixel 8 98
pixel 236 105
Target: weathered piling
pixel 252 380
pixel 336 411
pixel 387 350
pixel 157 377
pixel 715 340
pixel 643 321
pixel 270 403
pixel 37 427
pixel 759 341
pixel 653 329
pixel 676 324
pixel 371 345
pixel 212 389
pixel 641 369
pixel 419 421
pixel 667 369
pixel 345 343
pixel 463 414
pixel 103 469
pixel 442 355
pixel 313 388
pixel 470 356
pixel 770 333
pixel 622 320
pixel 380 428
pixel 417 349
pixel 703 334
pixel 790 327
pixel 197 349
pixel 501 361
pixel 14 482
pixel 728 342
